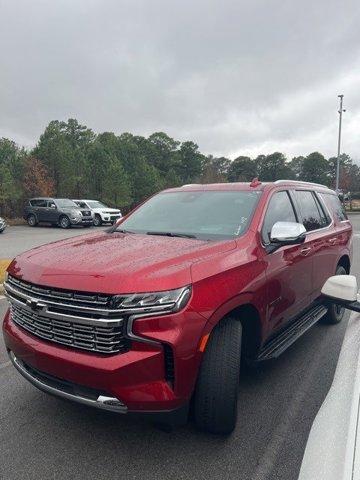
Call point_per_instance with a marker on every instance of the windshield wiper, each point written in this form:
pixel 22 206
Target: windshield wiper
pixel 113 229
pixel 171 234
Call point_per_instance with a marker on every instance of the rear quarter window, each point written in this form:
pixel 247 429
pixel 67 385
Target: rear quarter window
pixel 336 208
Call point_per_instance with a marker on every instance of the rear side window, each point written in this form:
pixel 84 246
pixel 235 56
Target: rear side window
pixel 324 215
pixel 280 209
pixel 335 206
pixel 311 211
pixel 38 203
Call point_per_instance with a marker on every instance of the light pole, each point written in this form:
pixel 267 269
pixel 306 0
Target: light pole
pixel 341 110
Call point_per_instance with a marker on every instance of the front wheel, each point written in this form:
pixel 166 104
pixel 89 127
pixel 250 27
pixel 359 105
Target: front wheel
pixel 97 221
pixel 31 220
pixel 336 312
pixel 216 393
pixel 64 222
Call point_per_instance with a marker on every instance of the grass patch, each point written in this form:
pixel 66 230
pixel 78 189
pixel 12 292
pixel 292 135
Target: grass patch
pixel 4 263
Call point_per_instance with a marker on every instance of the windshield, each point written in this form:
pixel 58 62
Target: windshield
pixel 204 215
pixel 96 204
pixel 81 204
pixel 65 202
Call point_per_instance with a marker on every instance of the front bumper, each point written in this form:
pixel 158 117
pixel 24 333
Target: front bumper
pixel 82 221
pixel 132 382
pixel 64 389
pixel 110 218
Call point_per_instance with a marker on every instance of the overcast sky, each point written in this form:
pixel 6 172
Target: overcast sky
pixel 237 77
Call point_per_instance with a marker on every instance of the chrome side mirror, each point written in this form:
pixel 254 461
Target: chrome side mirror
pixel 287 233
pixel 342 290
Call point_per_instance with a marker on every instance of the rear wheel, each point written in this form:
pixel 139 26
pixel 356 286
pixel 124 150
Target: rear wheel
pixel 31 220
pixel 64 222
pixel 216 393
pixel 336 312
pixel 97 221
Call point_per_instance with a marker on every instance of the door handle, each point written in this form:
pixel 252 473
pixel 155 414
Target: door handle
pixel 332 241
pixel 304 251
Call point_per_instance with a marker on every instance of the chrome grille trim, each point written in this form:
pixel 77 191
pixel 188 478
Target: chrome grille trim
pixel 77 326
pixel 56 311
pixel 92 338
pixel 74 300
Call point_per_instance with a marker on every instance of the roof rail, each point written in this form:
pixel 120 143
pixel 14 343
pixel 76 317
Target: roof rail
pixel 301 183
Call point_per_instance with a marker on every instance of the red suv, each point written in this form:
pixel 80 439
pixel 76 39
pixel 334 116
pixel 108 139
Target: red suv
pixel 154 315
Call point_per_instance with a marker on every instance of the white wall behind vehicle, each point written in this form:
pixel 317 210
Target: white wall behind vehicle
pixel 333 448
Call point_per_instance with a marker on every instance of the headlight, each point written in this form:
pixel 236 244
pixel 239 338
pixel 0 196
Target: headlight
pixel 169 301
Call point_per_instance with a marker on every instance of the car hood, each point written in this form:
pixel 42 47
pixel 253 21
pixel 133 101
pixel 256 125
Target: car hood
pixel 70 209
pixel 116 262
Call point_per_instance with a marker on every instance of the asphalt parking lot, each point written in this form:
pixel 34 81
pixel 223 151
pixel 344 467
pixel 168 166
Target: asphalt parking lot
pixel 44 437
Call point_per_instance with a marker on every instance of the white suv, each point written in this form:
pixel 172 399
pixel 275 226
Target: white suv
pixel 100 212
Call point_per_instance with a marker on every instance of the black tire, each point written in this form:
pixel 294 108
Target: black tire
pixel 97 220
pixel 64 222
pixel 216 392
pixel 335 312
pixel 32 220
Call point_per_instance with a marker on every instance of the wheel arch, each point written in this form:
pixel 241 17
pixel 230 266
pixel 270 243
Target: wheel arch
pixel 250 320
pixel 32 214
pixel 63 215
pixel 252 328
pixel 344 261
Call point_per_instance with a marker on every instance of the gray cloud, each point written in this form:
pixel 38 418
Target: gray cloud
pixel 236 77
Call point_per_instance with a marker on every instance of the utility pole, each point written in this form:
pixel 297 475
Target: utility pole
pixel 341 110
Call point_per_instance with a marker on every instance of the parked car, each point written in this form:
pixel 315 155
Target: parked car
pixel 332 451
pixel 2 225
pixel 57 211
pixel 155 313
pixel 101 213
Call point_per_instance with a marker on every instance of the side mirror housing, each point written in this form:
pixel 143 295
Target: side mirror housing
pixel 286 233
pixel 342 290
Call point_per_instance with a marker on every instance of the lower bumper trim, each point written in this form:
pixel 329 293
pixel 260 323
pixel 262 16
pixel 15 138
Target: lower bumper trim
pixel 103 402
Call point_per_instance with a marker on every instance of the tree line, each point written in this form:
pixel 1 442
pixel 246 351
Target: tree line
pixel 71 161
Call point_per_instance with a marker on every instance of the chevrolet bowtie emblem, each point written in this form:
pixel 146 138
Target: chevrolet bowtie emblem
pixel 35 305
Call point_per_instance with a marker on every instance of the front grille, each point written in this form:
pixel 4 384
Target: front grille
pixel 59 295
pixel 78 320
pixel 88 337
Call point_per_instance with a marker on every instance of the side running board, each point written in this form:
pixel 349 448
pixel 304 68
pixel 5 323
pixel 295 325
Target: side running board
pixel 278 344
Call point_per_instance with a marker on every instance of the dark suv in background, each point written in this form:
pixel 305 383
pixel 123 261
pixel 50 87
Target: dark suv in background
pixel 57 211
